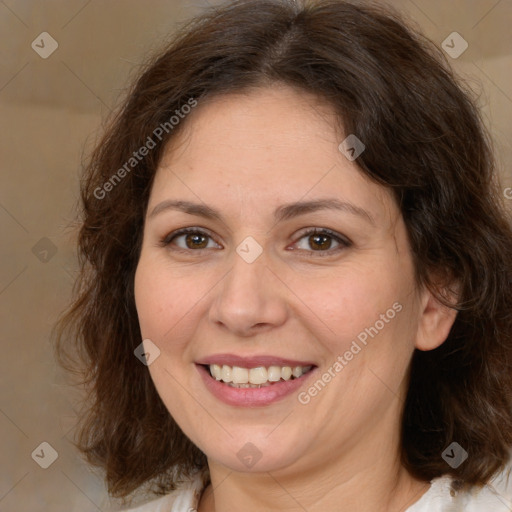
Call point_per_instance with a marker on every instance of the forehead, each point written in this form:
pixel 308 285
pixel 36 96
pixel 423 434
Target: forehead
pixel 267 147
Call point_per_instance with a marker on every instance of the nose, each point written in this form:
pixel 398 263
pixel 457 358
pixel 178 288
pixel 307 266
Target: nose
pixel 250 299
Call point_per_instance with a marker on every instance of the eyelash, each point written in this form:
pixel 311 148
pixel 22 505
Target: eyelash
pixel 344 243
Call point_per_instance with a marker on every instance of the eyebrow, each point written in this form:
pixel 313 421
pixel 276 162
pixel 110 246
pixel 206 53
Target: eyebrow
pixel 282 213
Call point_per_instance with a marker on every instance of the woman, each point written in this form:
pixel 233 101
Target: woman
pixel 296 274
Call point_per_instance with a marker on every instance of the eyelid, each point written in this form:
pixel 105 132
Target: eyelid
pixel 185 231
pixel 342 240
pixel 324 231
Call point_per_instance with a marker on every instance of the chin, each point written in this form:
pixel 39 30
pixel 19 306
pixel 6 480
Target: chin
pixel 257 454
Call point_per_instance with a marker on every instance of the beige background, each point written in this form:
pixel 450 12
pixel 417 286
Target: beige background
pixel 50 112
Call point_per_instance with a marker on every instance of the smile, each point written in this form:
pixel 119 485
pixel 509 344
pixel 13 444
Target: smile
pixel 239 377
pixel 253 381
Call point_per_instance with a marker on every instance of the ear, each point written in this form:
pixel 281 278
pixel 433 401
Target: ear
pixel 436 319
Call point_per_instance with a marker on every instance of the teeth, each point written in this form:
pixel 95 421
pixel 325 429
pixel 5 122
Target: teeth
pixel 286 373
pixel 216 371
pixel 255 377
pixel 297 371
pixel 240 375
pixel 274 373
pixel 258 375
pixel 226 374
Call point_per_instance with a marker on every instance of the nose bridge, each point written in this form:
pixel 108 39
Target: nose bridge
pixel 248 296
pixel 248 276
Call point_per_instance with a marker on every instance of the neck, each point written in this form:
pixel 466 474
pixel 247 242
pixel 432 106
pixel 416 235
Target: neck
pixel 356 481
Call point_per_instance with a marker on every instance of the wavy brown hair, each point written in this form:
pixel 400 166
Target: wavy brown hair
pixel 424 140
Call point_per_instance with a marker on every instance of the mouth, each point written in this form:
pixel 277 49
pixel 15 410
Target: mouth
pixel 255 377
pixel 253 381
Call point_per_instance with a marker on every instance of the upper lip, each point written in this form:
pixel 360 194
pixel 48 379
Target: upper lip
pixel 251 361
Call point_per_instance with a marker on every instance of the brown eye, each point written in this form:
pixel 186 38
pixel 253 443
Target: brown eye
pixel 321 241
pixel 196 241
pixel 189 239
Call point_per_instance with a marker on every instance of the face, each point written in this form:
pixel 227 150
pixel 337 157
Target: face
pixel 292 258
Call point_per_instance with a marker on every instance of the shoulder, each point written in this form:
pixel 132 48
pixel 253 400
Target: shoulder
pixel 501 487
pixel 495 496
pixel 183 499
pixel 163 504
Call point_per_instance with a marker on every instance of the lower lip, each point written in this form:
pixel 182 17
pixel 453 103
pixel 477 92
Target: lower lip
pixel 251 397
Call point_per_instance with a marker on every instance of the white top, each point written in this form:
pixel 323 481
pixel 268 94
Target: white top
pixel 496 496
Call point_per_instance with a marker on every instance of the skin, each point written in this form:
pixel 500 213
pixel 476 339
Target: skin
pixel 245 155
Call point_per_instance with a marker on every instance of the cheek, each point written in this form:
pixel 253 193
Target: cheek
pixel 149 300
pixel 167 303
pixel 154 299
pixel 368 304
pixel 348 301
